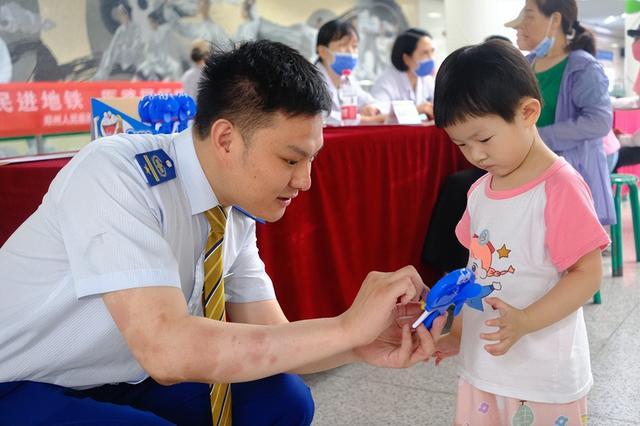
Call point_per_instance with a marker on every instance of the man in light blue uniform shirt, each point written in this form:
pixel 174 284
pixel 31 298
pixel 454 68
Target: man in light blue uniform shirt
pixel 101 291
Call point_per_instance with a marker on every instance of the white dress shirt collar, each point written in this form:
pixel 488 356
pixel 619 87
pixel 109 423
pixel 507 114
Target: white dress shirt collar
pixel 196 185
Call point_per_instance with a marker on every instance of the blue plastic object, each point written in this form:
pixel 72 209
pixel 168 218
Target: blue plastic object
pixel 143 109
pixel 186 111
pixel 166 113
pixel 450 293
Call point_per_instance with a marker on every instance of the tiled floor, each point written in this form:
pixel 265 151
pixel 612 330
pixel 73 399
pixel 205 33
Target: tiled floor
pixel 425 395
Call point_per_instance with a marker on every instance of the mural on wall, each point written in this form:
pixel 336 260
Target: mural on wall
pixel 148 40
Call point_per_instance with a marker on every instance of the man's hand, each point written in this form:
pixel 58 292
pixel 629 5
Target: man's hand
pixel 512 325
pixel 397 346
pixel 374 307
pixel 369 110
pixel 447 346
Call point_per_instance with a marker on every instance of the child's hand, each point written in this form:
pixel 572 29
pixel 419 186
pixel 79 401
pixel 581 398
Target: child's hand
pixel 512 325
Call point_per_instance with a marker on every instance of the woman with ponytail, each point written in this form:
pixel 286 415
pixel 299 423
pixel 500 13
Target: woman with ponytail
pixel 576 109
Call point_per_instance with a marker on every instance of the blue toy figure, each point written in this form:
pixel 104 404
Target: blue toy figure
pixel 449 294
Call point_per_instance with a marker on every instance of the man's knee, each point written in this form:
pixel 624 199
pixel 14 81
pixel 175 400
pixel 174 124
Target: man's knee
pixel 300 405
pixel 283 399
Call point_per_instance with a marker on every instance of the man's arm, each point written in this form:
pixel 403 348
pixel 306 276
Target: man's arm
pixel 269 312
pixel 173 346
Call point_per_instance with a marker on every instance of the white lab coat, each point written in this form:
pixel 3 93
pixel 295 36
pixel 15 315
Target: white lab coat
pixel 394 85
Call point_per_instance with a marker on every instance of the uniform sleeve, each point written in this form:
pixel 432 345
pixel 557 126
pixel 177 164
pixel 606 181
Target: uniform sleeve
pixel 590 97
pixel 111 230
pixel 248 280
pixel 572 227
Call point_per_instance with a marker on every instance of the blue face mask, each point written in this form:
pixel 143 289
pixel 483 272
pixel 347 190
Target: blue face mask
pixel 343 61
pixel 543 48
pixel 425 68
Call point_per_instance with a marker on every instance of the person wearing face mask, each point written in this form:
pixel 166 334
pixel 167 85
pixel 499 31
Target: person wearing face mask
pixel 410 76
pixel 337 49
pixel 576 109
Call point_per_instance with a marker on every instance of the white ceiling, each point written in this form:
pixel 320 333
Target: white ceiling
pixel 603 16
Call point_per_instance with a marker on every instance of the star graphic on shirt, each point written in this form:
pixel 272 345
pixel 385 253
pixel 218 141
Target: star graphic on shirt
pixel 503 251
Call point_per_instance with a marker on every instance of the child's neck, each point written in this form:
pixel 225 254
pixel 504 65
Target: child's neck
pixel 537 161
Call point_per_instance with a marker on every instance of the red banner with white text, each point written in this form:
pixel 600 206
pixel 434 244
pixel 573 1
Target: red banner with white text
pixel 43 108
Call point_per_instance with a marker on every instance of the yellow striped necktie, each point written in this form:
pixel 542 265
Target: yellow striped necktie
pixel 213 303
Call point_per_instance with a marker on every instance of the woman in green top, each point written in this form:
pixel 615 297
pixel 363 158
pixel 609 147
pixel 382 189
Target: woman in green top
pixel 576 109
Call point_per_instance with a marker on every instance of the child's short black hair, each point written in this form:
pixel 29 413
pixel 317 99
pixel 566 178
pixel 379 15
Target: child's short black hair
pixel 247 85
pixel 406 44
pixel 485 79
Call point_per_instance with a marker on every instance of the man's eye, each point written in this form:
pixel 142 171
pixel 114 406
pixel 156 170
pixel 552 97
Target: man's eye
pixel 291 162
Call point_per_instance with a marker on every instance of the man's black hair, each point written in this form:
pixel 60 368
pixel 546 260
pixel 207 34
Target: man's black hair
pixel 485 79
pixel 406 44
pixel 249 84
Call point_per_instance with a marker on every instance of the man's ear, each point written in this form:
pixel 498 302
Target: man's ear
pixel 529 111
pixel 221 136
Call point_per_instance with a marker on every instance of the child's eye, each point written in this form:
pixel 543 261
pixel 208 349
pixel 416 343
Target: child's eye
pixel 486 140
pixel 291 162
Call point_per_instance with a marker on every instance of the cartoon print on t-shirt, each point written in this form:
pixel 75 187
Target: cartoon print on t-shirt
pixel 481 253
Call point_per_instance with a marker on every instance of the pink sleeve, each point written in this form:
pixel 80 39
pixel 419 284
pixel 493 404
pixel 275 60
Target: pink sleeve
pixel 463 229
pixel 572 227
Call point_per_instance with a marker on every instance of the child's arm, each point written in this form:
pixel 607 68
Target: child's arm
pixel 579 284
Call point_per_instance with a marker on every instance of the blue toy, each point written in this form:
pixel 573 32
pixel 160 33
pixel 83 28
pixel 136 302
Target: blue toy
pixel 186 111
pixel 449 294
pixel 166 113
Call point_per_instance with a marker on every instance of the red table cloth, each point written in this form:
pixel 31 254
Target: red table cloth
pixel 368 209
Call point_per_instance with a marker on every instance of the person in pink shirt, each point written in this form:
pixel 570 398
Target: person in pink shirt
pixel 533 235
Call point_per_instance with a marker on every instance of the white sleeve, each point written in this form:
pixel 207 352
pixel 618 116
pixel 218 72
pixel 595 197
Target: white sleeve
pixel 428 88
pixel 112 228
pixel 248 281
pixel 382 89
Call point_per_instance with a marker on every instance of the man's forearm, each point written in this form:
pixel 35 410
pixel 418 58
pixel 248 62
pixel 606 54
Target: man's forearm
pixel 202 350
pixel 327 363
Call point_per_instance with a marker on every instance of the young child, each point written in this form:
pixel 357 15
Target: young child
pixel 533 235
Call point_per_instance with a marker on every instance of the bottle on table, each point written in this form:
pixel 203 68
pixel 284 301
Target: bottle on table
pixel 348 97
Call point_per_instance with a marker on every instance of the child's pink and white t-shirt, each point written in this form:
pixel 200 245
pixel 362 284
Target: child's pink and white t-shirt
pixel 521 242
